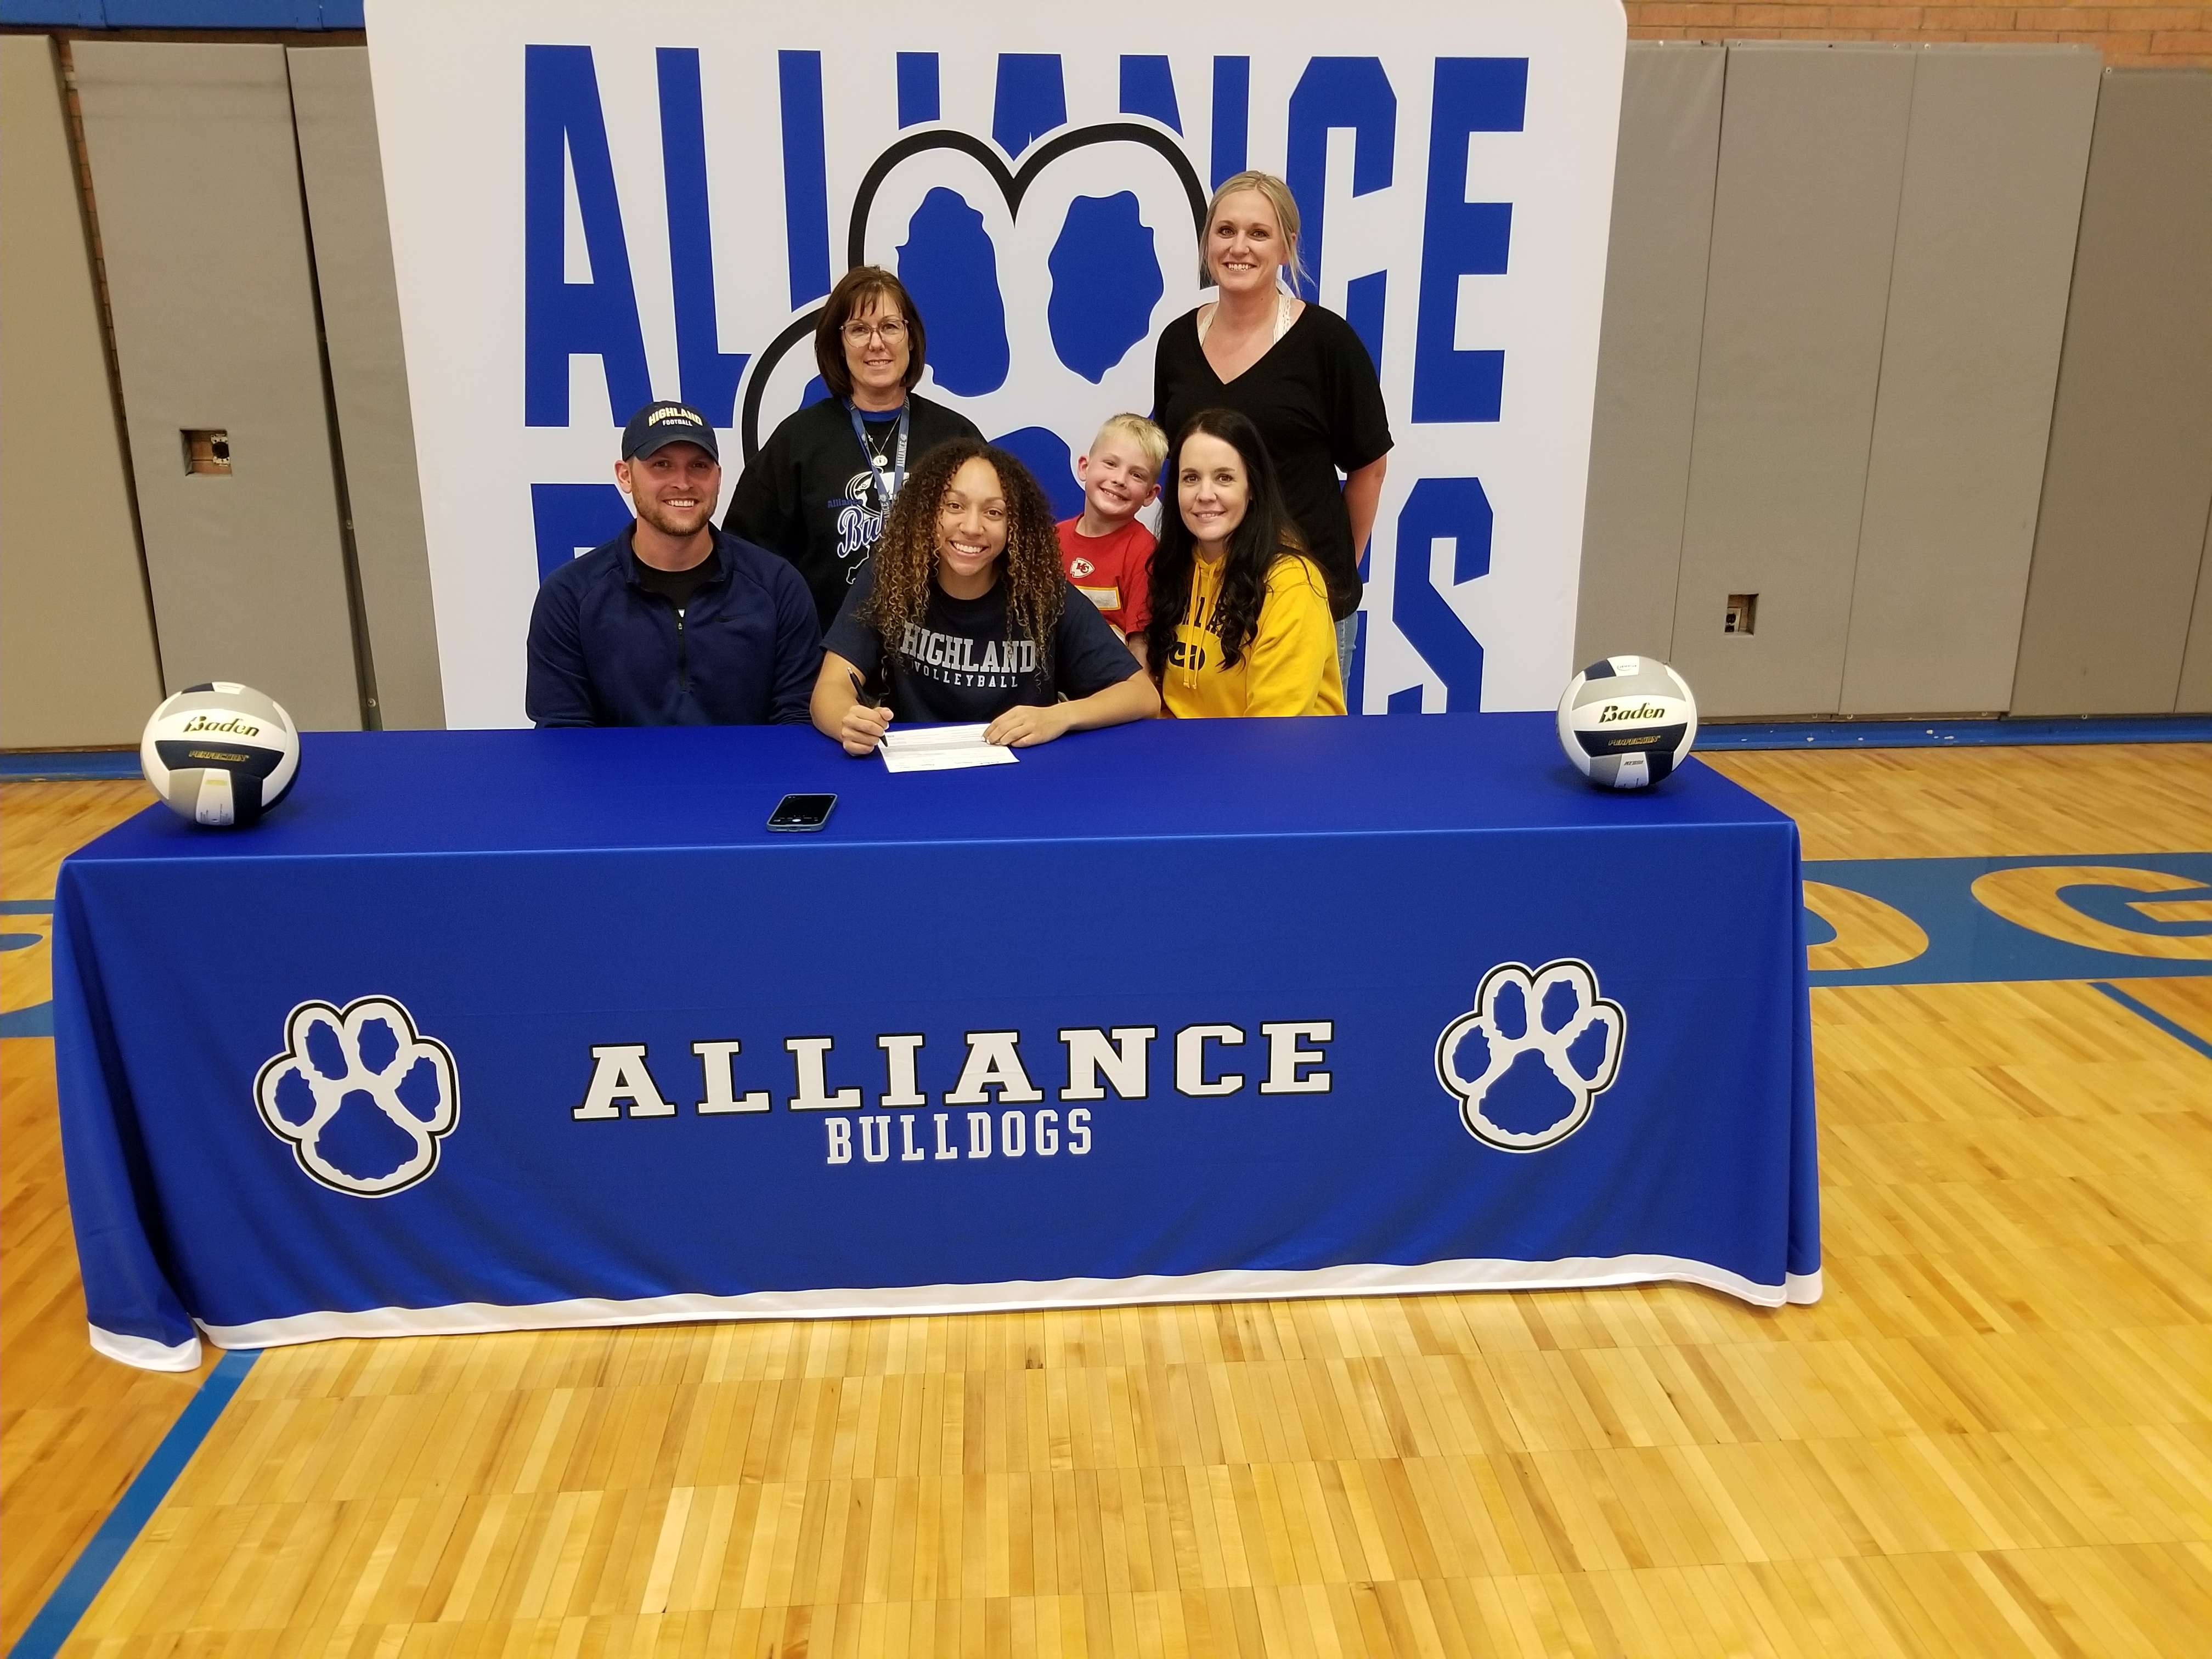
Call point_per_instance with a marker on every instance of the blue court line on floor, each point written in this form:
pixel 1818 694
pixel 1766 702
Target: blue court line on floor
pixel 1968 942
pixel 1995 734
pixel 2173 1029
pixel 81 766
pixel 37 1019
pixel 100 1558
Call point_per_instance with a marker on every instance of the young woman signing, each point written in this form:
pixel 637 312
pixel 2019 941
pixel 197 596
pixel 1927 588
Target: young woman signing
pixel 965 615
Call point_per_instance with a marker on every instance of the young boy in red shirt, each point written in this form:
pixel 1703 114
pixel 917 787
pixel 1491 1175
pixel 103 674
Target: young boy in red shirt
pixel 1107 554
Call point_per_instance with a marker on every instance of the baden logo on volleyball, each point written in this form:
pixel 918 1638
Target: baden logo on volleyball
pixel 220 754
pixel 1627 722
pixel 1528 1062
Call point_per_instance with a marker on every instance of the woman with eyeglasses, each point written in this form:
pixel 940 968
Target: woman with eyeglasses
pixel 819 491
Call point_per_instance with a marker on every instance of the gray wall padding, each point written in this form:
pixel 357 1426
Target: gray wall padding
pixel 2196 694
pixel 1811 153
pixel 197 180
pixel 1993 171
pixel 1647 377
pixel 2121 540
pixel 338 158
pixel 77 667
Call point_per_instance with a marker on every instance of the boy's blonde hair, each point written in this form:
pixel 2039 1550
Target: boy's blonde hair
pixel 1285 208
pixel 1139 431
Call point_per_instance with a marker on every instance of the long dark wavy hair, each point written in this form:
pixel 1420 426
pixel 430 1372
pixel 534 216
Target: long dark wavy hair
pixel 905 559
pixel 1267 533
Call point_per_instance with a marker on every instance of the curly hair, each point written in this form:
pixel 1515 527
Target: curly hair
pixel 905 559
pixel 1267 532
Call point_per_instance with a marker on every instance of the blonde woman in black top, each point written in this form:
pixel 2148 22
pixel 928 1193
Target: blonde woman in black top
pixel 1297 370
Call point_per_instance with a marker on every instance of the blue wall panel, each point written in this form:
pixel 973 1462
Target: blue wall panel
pixel 186 14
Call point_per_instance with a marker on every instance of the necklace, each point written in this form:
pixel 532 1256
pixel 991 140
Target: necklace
pixel 886 489
pixel 1282 320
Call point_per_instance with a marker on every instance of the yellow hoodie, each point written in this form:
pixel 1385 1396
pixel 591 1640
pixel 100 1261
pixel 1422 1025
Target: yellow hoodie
pixel 1287 667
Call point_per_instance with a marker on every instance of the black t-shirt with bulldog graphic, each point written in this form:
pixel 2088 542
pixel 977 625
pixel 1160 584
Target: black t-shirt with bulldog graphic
pixel 960 666
pixel 810 496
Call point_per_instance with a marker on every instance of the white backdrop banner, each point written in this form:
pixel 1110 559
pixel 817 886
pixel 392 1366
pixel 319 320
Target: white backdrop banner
pixel 595 205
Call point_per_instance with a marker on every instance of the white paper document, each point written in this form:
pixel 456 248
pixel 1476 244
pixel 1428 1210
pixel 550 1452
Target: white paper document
pixel 940 748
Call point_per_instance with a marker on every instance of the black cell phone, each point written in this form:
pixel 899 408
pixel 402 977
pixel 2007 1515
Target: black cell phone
pixel 801 812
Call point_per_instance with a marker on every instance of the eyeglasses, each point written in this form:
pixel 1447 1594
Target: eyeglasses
pixel 891 329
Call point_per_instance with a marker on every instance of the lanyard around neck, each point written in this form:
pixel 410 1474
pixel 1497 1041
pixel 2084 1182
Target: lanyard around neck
pixel 886 490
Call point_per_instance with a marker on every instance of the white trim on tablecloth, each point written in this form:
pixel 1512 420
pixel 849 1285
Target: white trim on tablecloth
pixel 148 1355
pixel 1229 1284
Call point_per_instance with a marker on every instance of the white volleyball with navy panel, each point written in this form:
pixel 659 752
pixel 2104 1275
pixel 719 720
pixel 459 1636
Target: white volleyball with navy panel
pixel 1626 722
pixel 221 754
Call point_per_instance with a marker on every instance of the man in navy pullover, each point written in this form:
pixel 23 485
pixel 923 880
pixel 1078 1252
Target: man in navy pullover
pixel 673 623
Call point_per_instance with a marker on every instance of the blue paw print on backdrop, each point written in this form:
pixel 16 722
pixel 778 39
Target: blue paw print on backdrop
pixel 1046 454
pixel 1105 281
pixel 949 265
pixel 1096 293
pixel 1530 1059
pixel 1105 276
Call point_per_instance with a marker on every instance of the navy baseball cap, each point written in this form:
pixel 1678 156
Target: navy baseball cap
pixel 659 424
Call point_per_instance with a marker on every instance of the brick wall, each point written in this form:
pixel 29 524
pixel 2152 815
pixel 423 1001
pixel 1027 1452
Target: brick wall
pixel 2170 36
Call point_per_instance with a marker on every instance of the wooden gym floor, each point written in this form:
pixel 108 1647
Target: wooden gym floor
pixel 1993 1436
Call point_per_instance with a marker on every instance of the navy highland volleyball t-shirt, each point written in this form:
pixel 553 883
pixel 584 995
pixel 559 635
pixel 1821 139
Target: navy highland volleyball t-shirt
pixel 958 666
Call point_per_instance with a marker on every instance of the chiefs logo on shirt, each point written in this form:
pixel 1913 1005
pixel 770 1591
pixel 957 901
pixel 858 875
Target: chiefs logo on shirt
pixel 1081 569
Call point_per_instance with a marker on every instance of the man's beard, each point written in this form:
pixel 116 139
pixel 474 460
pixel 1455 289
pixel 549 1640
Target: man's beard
pixel 668 524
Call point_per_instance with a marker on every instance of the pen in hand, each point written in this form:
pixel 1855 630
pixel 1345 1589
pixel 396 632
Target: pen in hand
pixel 861 737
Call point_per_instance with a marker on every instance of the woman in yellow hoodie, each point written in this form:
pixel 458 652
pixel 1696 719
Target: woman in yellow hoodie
pixel 1240 614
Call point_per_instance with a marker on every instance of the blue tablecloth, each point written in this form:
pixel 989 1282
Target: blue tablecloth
pixel 488 1031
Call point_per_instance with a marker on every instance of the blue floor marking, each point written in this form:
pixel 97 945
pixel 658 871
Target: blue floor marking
pixel 2173 1029
pixel 1970 944
pixel 71 767
pixel 89 1574
pixel 37 1019
pixel 2000 731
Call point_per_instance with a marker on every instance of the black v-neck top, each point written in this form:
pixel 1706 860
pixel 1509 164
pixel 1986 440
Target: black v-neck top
pixel 1318 404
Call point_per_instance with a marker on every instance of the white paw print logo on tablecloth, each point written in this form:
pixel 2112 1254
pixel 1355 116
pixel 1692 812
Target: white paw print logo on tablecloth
pixel 363 1098
pixel 1529 1063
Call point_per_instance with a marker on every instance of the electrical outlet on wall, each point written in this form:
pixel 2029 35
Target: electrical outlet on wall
pixel 207 452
